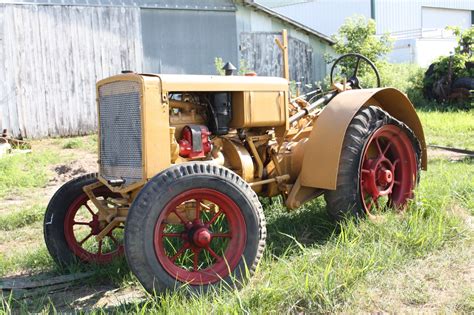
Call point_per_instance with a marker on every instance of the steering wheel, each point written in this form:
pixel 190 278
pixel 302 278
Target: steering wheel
pixel 354 80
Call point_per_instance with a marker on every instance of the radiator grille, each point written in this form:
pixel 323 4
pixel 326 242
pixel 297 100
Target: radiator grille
pixel 120 131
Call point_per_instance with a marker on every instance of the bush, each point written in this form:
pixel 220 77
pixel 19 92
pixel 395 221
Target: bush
pixel 357 34
pixel 440 76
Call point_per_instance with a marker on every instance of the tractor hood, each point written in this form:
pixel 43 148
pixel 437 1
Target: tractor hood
pixel 215 83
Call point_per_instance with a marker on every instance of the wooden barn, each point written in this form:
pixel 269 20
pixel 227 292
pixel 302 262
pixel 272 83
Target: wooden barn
pixel 53 51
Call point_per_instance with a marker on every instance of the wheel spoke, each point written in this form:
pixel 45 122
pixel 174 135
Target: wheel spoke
pixel 114 240
pixel 378 147
pixel 387 147
pixel 81 223
pixel 198 209
pixel 171 234
pixel 99 250
pixel 196 260
pixel 179 252
pixel 180 217
pixel 85 239
pixel 89 209
pixel 214 218
pixel 227 235
pixel 367 200
pixel 364 171
pixel 396 182
pixel 396 162
pixel 376 202
pixel 213 253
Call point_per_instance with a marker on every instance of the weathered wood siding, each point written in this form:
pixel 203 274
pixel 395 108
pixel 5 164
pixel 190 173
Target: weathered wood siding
pixel 50 59
pixel 265 57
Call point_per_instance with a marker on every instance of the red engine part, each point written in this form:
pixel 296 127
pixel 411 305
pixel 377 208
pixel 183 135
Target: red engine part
pixel 194 142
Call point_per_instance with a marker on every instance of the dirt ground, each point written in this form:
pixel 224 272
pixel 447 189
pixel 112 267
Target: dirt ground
pixel 61 173
pixel 438 153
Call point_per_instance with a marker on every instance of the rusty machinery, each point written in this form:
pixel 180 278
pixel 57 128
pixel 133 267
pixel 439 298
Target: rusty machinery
pixel 183 159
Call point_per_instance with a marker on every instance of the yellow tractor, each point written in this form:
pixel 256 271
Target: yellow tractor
pixel 183 160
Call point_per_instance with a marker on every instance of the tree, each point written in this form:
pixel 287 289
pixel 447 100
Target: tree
pixel 357 35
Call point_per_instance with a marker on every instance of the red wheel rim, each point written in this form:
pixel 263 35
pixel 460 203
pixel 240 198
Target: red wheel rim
pixel 388 170
pixel 82 224
pixel 200 236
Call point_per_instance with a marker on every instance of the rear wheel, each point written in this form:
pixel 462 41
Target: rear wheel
pixel 378 168
pixel 72 222
pixel 194 224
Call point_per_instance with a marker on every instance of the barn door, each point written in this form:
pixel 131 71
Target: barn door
pixel 264 57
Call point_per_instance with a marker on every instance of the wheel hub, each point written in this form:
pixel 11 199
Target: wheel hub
pixel 379 180
pixel 388 169
pixel 198 234
pixel 207 247
pixel 384 176
pixel 202 238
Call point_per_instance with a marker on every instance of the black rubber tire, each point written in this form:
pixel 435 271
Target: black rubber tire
pixel 55 215
pixel 463 83
pixel 345 200
pixel 150 202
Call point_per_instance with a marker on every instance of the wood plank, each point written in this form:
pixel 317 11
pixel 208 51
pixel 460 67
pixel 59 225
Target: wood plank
pixel 52 58
pixel 22 283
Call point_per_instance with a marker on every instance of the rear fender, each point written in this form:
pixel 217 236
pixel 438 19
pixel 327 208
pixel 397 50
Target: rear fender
pixel 322 152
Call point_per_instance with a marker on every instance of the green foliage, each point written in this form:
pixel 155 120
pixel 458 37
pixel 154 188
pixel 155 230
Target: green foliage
pixel 458 68
pixel 403 76
pixel 357 35
pixel 447 69
pixel 219 63
pixel 465 40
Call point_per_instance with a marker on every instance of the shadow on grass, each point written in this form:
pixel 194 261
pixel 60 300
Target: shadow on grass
pixel 308 225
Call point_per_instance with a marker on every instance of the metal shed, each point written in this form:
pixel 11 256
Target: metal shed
pixel 53 51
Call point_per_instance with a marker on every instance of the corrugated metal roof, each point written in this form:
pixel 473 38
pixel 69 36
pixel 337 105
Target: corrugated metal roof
pixel 281 3
pixel 286 19
pixel 212 5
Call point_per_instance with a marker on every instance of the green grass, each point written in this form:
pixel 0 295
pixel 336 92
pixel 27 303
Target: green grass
pixel 34 260
pixel 86 143
pixel 311 265
pixel 454 129
pixel 319 272
pixel 317 268
pixel 18 219
pixel 26 171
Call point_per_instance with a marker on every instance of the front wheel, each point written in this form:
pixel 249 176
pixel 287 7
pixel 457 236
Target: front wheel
pixel 72 221
pixel 379 166
pixel 194 224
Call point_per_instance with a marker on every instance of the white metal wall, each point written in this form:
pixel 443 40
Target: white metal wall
pixel 403 15
pixel 327 16
pixel 438 18
pixel 52 57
